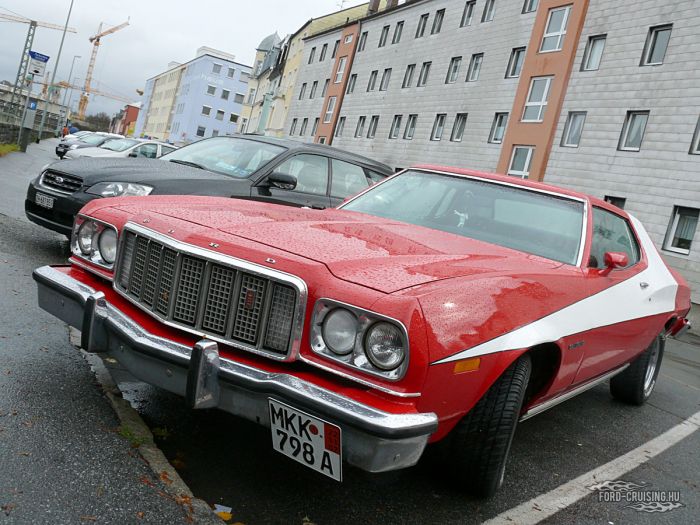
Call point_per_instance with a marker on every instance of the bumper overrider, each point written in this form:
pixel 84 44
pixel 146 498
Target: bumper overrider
pixel 373 440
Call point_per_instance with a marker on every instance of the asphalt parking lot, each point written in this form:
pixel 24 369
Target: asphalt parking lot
pixel 561 467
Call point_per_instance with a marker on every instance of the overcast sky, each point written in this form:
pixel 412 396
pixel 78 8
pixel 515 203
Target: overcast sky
pixel 160 31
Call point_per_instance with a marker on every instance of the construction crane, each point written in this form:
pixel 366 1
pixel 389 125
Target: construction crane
pixel 65 85
pixel 85 95
pixel 24 61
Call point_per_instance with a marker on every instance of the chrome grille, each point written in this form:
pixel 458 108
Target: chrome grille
pixel 231 303
pixel 61 182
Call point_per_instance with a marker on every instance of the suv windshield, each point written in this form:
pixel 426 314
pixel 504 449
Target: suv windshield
pixel 119 144
pixel 227 155
pixel 533 222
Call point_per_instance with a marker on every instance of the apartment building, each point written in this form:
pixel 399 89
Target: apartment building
pixel 198 99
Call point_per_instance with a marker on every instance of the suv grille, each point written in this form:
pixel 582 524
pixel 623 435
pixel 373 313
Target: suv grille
pixel 61 182
pixel 240 307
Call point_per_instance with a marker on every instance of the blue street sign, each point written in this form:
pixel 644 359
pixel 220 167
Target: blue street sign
pixel 32 104
pixel 38 56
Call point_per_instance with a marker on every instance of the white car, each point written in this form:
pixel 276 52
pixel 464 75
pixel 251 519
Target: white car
pixel 121 148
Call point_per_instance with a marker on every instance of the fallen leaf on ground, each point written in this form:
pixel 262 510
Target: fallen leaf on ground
pixel 88 518
pixel 140 515
pixel 146 481
pixel 26 454
pixel 165 478
pixel 7 508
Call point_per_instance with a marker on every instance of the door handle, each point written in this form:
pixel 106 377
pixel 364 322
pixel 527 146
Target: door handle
pixel 643 285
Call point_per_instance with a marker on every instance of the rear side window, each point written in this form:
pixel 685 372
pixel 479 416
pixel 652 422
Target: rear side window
pixel 311 172
pixel 611 233
pixel 348 179
pixel 376 177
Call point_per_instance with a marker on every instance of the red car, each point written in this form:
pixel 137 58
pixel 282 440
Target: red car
pixel 440 304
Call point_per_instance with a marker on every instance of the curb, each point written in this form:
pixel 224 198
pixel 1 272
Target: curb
pixel 154 457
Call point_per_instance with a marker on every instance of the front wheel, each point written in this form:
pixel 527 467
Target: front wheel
pixel 636 383
pixel 481 440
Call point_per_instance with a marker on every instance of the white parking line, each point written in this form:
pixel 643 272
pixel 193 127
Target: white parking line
pixel 546 505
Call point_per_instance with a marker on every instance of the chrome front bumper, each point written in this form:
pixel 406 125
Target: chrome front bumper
pixel 373 440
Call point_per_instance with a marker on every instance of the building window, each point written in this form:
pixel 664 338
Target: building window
pixel 233 118
pixel 324 50
pixel 458 127
pixel 573 129
pixel 341 70
pixel 498 128
pixel 489 11
pixel 695 144
pixel 363 42
pixel 438 127
pixel 211 90
pixel 386 77
pixel 251 95
pixel 422 23
pixel 304 125
pixel 656 45
pixel 410 127
pixel 206 110
pixel 351 84
pixel 383 36
pixel 244 125
pixel 215 133
pixel 555 31
pixel 616 201
pixel 315 128
pixel 537 99
pixel 325 87
pixel 302 92
pixel 314 87
pixel 395 127
pixel 633 131
pixel 530 6
pixel 340 127
pixel 453 70
pixel 372 80
pixel 225 94
pixel 475 67
pixel 335 48
pixel 373 123
pixel 348 39
pixel 408 76
pixel 329 110
pixel 201 131
pixel 312 54
pixel 239 98
pixel 397 33
pixel 219 114
pixel 437 22
pixel 467 14
pixel 593 53
pixel 216 69
pixel 424 72
pixel 681 231
pixel 322 140
pixel 293 128
pixel 360 126
pixel 515 64
pixel 230 72
pixel 520 161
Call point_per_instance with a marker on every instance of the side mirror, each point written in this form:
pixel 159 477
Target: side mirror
pixel 133 154
pixel 283 181
pixel 614 260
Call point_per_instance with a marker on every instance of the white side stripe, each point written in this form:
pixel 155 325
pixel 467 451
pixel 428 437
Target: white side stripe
pixel 625 301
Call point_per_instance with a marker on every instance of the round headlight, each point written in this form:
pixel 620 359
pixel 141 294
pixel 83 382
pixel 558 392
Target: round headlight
pixel 339 331
pixel 384 346
pixel 107 244
pixel 85 234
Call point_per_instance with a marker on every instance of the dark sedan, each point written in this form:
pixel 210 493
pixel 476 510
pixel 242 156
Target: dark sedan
pixel 247 167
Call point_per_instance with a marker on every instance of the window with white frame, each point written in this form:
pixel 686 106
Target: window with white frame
pixel 340 127
pixel 372 129
pixel 211 90
pixel 555 30
pixel 312 55
pixel 215 133
pixel 422 23
pixel 633 131
pixel 489 11
pixel 322 140
pixel 351 84
pixel 424 73
pixel 314 129
pixel 695 144
pixel 206 110
pixel 230 72
pixel 335 48
pixel 324 50
pixel 656 45
pixel 520 161
pixel 537 99
pixel 233 118
pixel 467 14
pixel 302 91
pixel 408 76
pixel 453 70
pixel 410 129
pixel 682 229
pixel 438 126
pixel 437 21
pixel 383 36
pixel 330 107
pixel 475 67
pixel 201 131
pixel 239 98
pixel 363 42
pixel 593 53
pixel 515 64
pixel 372 83
pixel 498 128
pixel 244 125
pixel 314 87
pixel 220 114
pixel 304 125
pixel 341 70
pixel 216 69
pixel 225 94
pixel 360 126
pixel 573 129
pixel 397 33
pixel 395 127
pixel 530 6
pixel 386 78
pixel 458 127
pixel 348 39
pixel 293 127
pixel 325 87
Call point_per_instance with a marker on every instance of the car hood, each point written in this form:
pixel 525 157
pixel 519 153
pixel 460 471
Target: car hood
pixel 373 252
pixel 91 151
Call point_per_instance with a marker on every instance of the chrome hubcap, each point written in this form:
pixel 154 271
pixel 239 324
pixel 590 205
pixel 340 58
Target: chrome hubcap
pixel 650 374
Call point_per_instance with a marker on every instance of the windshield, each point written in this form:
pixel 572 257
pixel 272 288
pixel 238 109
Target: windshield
pixel 227 155
pixel 119 144
pixel 518 218
pixel 94 140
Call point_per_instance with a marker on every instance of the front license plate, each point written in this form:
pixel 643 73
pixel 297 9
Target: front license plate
pixel 306 439
pixel 44 200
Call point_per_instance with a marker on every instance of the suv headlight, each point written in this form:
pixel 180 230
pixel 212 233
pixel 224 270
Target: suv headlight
pixel 119 189
pixel 94 241
pixel 360 339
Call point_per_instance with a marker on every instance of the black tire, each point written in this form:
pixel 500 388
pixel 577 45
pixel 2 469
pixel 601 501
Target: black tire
pixel 481 440
pixel 636 383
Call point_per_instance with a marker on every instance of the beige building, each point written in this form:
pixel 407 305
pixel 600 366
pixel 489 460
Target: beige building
pixel 165 88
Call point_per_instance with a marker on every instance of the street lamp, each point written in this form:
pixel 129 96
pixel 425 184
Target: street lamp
pixel 65 92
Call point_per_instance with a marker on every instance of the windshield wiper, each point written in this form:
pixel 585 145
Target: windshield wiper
pixel 188 163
